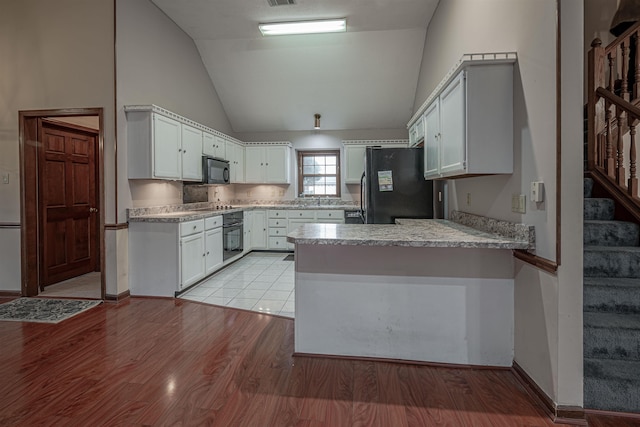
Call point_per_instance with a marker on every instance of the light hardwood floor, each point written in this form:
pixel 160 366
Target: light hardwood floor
pixel 85 286
pixel 150 361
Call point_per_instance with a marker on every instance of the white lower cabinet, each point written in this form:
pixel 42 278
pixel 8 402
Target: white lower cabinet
pixel 280 222
pixel 259 230
pixel 213 244
pixel 192 259
pixel 277 229
pixel 247 231
pixel 165 258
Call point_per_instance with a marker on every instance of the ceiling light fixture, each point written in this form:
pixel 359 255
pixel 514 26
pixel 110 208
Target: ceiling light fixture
pixel 304 27
pixel 316 122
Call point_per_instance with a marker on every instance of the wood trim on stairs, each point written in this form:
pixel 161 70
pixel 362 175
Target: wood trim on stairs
pixel 626 208
pixel 573 415
pixel 537 261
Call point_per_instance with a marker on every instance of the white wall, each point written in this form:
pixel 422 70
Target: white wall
pixel 54 55
pixel 158 63
pixel 543 309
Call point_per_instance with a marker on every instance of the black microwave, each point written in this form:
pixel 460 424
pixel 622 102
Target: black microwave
pixel 214 171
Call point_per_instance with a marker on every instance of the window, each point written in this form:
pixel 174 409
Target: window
pixel 319 173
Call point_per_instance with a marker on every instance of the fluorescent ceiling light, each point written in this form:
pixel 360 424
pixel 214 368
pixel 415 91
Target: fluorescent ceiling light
pixel 304 27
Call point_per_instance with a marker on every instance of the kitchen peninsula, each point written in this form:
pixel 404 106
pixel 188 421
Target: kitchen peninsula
pixel 422 290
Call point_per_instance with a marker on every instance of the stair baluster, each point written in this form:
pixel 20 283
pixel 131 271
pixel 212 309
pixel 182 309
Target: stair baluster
pixel 624 93
pixel 620 176
pixel 632 184
pixel 609 159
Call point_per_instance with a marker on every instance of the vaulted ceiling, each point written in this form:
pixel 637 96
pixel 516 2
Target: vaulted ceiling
pixel 365 78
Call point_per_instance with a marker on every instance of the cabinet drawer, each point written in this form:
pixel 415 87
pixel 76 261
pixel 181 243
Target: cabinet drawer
pixel 277 231
pixel 307 214
pixel 278 242
pixel 277 213
pixel 330 214
pixel 191 227
pixel 277 222
pixel 213 222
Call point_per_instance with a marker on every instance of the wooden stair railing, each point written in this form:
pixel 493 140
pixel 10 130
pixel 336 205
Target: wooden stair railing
pixel 613 113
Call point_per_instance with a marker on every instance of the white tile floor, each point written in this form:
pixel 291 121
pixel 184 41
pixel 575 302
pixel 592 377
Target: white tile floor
pixel 261 281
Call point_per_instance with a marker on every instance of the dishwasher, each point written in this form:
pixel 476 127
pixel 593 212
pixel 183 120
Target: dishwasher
pixel 353 217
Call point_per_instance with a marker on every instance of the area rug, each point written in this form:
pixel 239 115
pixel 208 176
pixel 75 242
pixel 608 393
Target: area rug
pixel 288 258
pixel 43 310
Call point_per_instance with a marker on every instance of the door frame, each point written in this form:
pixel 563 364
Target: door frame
pixel 29 217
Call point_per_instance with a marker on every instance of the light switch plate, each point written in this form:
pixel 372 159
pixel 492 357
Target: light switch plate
pixel 5 178
pixel 518 203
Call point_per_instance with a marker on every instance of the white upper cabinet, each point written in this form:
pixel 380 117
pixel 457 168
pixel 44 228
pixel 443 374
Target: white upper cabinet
pixel 353 163
pixel 165 143
pixel 468 119
pixel 235 156
pixel 452 127
pixel 268 164
pixel 354 155
pixel 416 133
pixel 431 140
pixel 213 145
pixel 191 153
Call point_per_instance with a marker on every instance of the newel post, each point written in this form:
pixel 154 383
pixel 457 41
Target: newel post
pixel 595 112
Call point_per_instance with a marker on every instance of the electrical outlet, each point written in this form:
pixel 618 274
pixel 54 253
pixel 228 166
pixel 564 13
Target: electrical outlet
pixel 5 178
pixel 468 199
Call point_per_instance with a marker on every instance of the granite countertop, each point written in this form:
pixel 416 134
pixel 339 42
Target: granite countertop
pixel 427 233
pixel 184 213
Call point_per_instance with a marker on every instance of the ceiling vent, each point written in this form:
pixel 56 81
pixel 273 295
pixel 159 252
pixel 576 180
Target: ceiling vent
pixel 281 2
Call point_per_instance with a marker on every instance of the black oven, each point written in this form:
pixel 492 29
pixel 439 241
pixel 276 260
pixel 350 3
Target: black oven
pixel 232 234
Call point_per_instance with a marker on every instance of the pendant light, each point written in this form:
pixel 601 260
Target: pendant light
pixel 316 122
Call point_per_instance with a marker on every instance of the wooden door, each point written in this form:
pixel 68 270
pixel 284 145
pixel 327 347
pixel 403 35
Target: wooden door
pixel 67 203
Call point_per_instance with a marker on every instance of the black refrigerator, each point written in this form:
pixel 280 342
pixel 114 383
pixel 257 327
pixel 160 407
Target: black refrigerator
pixel 393 186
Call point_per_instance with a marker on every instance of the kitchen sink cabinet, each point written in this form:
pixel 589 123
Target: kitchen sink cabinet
pixel 267 164
pixel 282 221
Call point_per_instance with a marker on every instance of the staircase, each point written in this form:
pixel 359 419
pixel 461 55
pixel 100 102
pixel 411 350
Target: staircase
pixel 611 307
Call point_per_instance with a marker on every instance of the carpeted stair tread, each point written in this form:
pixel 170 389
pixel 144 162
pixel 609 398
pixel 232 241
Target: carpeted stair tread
pixel 612 320
pixel 611 261
pixel 602 209
pixel 587 187
pixel 612 385
pixel 611 294
pixel 611 233
pixel 612 369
